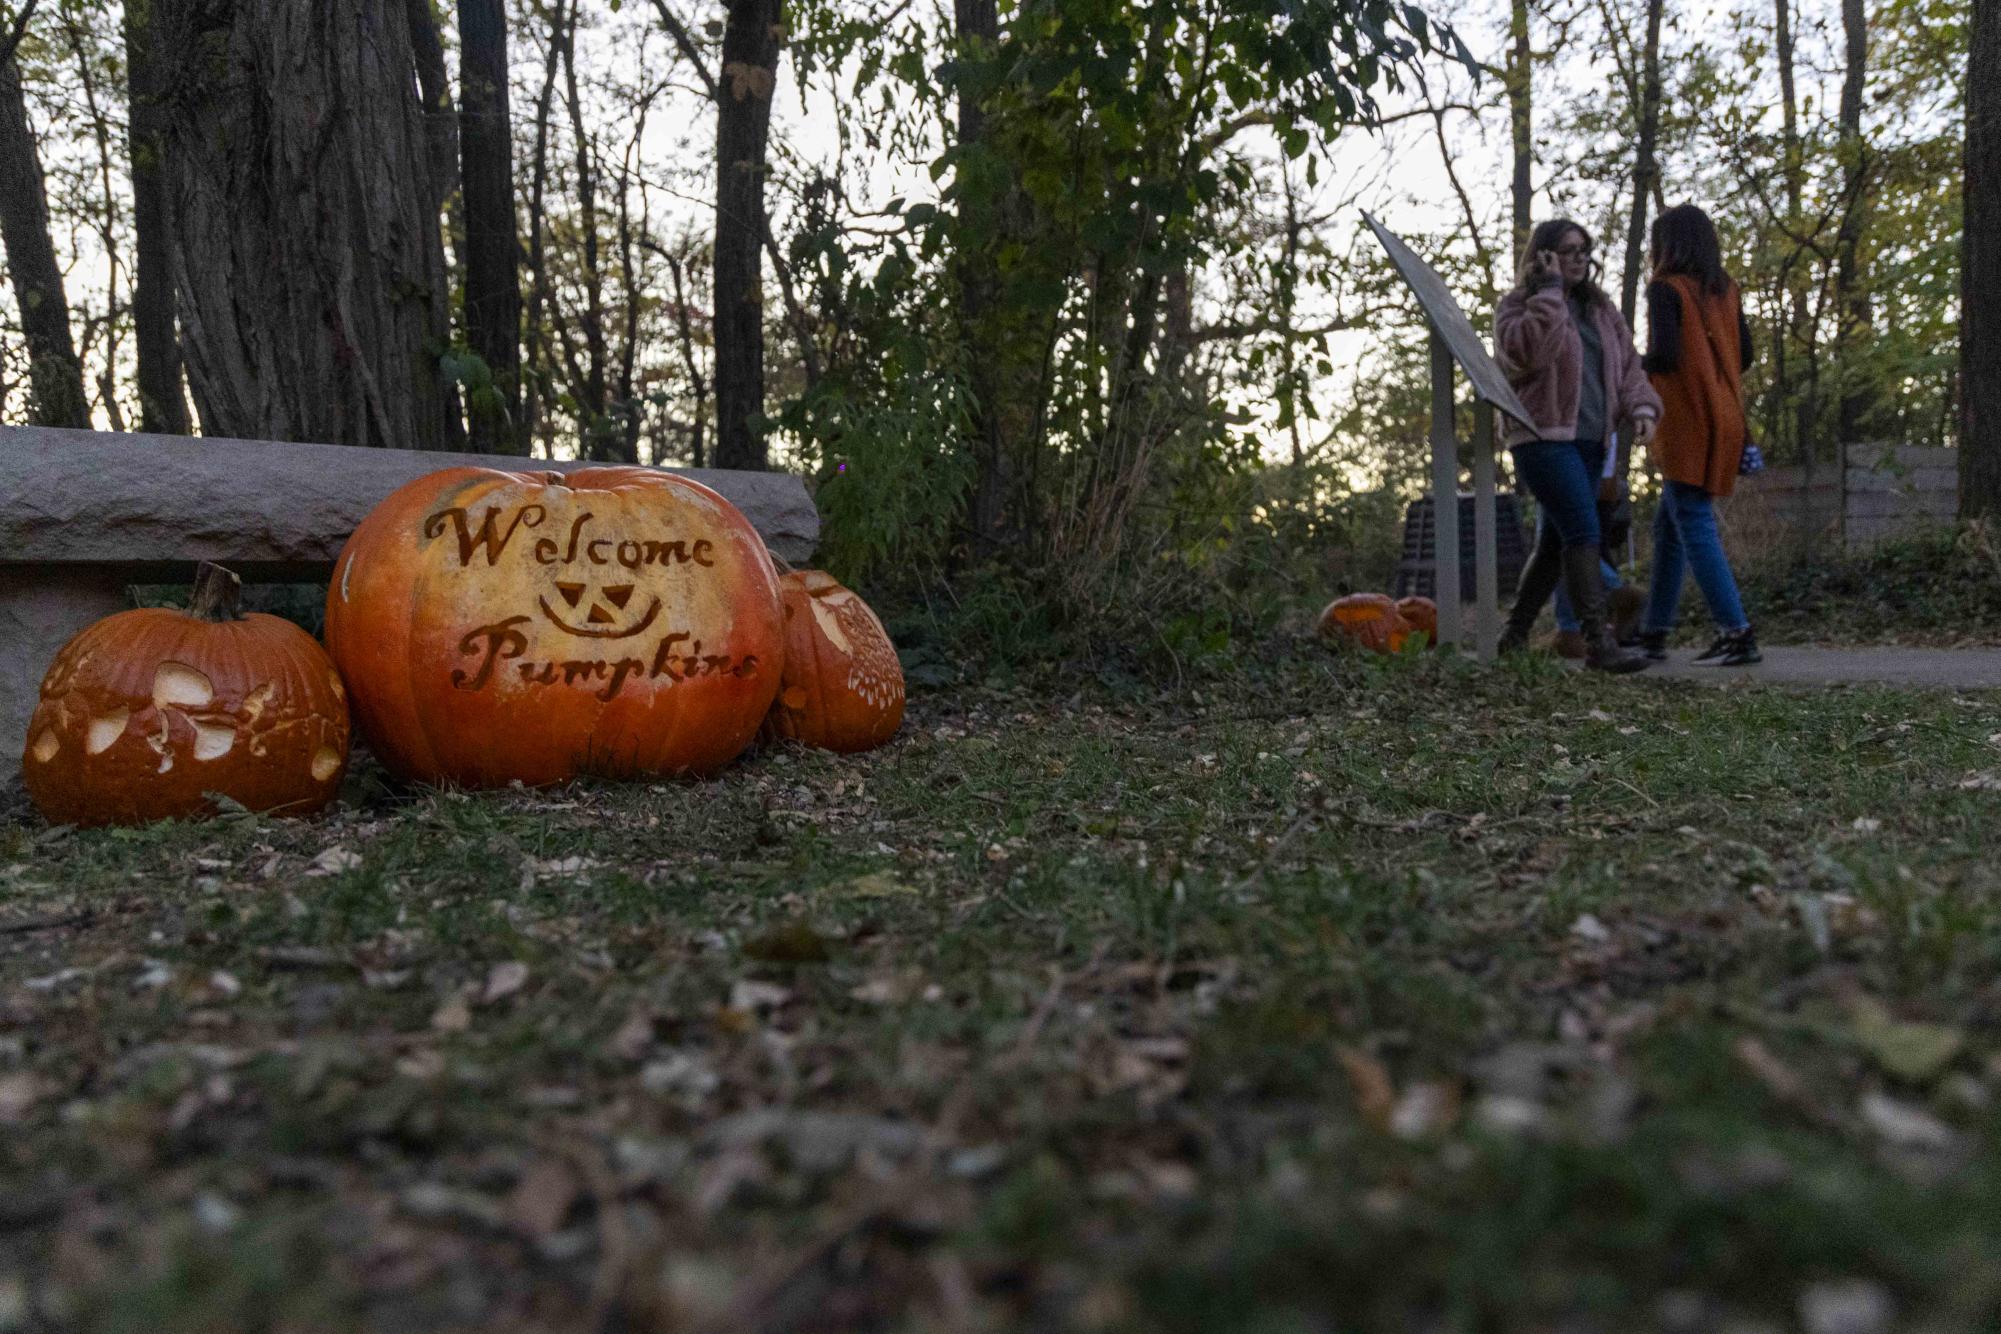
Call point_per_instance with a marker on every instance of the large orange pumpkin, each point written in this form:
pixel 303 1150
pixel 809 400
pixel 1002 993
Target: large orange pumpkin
pixel 497 627
pixel 843 687
pixel 1420 613
pixel 147 712
pixel 1368 619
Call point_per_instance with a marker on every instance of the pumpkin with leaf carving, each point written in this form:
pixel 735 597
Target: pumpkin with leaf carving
pixel 843 685
pixel 146 714
pixel 1368 619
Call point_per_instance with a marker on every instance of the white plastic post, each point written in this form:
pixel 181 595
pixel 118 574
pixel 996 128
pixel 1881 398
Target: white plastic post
pixel 1486 558
pixel 1444 492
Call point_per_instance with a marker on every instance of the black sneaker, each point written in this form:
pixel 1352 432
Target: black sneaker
pixel 1740 649
pixel 1717 648
pixel 1653 643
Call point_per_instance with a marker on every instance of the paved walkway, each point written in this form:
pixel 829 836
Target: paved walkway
pixel 1925 668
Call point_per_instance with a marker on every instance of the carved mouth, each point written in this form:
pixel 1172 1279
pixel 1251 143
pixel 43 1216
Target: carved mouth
pixel 601 622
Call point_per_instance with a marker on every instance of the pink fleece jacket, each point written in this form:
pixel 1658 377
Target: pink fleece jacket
pixel 1539 350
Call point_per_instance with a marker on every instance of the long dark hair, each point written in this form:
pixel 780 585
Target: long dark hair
pixel 1684 241
pixel 1548 235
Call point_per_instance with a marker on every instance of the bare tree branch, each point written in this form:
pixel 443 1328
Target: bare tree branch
pixel 13 39
pixel 679 32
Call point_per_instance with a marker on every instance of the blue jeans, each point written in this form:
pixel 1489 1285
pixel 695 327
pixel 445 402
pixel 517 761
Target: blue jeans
pixel 1562 475
pixel 1685 539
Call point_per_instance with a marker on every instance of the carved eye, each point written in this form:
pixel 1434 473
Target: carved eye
pixel 572 593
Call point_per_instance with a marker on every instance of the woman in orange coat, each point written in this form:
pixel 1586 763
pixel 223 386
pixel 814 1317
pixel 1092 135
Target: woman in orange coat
pixel 1697 350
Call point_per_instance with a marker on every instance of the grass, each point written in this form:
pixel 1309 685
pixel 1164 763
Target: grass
pixel 1319 993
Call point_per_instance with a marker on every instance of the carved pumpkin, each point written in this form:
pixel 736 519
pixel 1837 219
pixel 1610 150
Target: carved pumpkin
pixel 843 687
pixel 1420 614
pixel 1368 619
pixel 145 713
pixel 496 627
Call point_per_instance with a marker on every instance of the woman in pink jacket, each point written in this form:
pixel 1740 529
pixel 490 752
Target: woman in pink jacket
pixel 1571 360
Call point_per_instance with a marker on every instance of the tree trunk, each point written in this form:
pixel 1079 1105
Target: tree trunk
pixel 55 375
pixel 441 131
pixel 307 258
pixel 698 384
pixel 1646 169
pixel 539 297
pixel 743 128
pixel 1852 304
pixel 591 392
pixel 1980 273
pixel 163 404
pixel 492 278
pixel 1521 123
pixel 1795 331
pixel 977 23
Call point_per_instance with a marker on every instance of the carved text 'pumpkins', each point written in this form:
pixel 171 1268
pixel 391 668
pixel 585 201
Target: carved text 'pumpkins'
pixel 843 685
pixel 145 713
pixel 497 627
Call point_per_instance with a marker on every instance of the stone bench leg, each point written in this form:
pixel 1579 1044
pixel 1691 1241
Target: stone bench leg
pixel 40 609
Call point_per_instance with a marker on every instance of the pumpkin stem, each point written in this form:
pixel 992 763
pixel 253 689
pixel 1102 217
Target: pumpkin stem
pixel 217 594
pixel 784 566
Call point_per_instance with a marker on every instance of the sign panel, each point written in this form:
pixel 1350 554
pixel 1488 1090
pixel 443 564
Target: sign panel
pixel 1467 347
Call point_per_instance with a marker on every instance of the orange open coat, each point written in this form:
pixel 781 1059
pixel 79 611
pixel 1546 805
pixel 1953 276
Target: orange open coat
pixel 1701 436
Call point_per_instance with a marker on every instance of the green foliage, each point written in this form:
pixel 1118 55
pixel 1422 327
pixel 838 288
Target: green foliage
pixel 1944 586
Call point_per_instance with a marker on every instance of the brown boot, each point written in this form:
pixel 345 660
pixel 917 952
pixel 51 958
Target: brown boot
pixel 1539 580
pixel 1569 644
pixel 1586 583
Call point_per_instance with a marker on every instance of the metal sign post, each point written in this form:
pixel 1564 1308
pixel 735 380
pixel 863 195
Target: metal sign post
pixel 1454 343
pixel 1445 493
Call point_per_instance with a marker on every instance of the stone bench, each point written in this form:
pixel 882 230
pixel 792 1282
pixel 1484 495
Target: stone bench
pixel 84 514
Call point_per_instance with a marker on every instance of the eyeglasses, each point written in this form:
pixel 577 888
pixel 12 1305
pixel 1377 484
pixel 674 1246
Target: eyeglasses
pixel 1566 251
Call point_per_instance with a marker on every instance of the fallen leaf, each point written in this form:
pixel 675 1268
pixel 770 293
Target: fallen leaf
pixel 750 996
pixel 1375 1096
pixel 1588 927
pixel 1914 1052
pixel 878 885
pixel 543 1198
pixel 1906 1125
pixel 454 1016
pixel 1847 1306
pixel 333 861
pixel 634 1036
pixel 503 980
pixel 19 1092
pixel 1424 1110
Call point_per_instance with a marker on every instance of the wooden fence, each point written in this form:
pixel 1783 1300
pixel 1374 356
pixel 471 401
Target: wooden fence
pixel 1882 492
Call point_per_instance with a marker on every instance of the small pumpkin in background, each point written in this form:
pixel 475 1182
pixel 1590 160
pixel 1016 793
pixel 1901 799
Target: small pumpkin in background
pixel 1369 619
pixel 1421 614
pixel 842 687
pixel 146 713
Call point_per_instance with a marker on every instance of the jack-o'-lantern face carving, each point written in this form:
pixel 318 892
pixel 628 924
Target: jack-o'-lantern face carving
pixel 149 714
pixel 604 610
pixel 499 627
